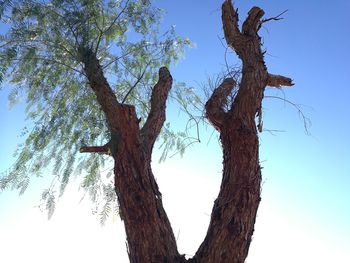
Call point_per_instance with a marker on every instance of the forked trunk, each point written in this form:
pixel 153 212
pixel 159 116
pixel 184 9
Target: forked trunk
pixel 149 234
pixel 234 212
pixel 233 216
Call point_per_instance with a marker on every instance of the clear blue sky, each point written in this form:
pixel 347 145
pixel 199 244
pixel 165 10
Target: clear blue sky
pixel 305 210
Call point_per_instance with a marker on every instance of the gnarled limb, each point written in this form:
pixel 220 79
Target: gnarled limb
pixel 215 105
pixel 98 83
pixel 233 216
pixel 156 116
pixel 279 81
pixel 232 34
pixel 252 24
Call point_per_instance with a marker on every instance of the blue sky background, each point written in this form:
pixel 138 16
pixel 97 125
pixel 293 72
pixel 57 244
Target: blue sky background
pixel 305 211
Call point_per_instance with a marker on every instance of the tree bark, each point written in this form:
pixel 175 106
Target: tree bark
pixel 233 216
pixel 149 234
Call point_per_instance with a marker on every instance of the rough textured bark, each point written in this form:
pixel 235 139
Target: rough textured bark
pixel 234 212
pixel 149 234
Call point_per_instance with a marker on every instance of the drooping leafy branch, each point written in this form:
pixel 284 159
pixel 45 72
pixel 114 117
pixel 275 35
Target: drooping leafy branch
pixel 42 57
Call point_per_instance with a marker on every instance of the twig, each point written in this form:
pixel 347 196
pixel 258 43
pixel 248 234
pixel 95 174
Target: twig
pixel 306 120
pixel 275 18
pixel 137 82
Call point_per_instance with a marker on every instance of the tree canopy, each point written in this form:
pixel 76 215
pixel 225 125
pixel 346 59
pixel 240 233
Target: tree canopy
pixel 42 52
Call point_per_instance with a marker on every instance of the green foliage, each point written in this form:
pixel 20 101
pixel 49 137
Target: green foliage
pixel 110 205
pixel 175 142
pixel 41 61
pixel 171 141
pixel 49 199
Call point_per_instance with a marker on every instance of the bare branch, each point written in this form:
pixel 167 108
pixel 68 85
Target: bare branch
pixel 275 18
pixel 95 149
pixel 215 105
pixel 279 81
pixel 156 116
pixel 133 86
pixel 137 82
pixel 306 120
pixel 252 24
pixel 230 25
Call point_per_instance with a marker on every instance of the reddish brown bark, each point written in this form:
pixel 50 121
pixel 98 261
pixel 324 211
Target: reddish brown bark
pixel 149 234
pixel 95 149
pixel 234 212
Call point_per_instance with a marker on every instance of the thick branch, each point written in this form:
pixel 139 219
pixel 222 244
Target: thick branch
pixel 252 24
pixel 215 105
pixel 233 216
pixel 95 149
pixel 156 116
pixel 104 94
pixel 279 81
pixel 230 25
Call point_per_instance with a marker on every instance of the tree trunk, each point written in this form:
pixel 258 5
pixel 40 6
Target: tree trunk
pixel 149 234
pixel 233 216
pixel 234 212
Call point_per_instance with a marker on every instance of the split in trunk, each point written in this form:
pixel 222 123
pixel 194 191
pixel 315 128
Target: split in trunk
pixel 234 212
pixel 149 234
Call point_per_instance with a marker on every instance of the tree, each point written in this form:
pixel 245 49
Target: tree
pixel 234 212
pixel 149 234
